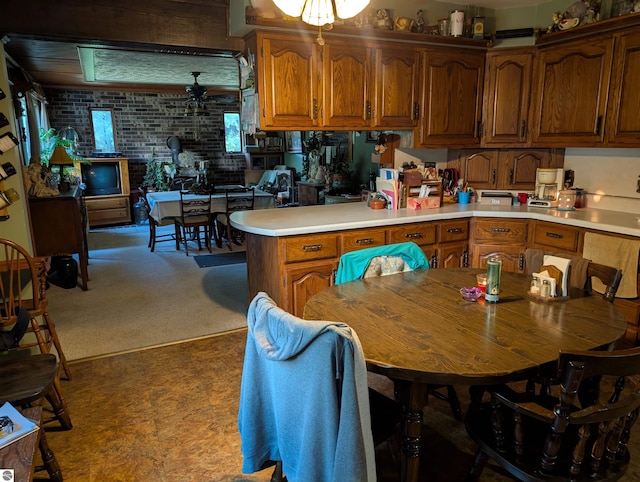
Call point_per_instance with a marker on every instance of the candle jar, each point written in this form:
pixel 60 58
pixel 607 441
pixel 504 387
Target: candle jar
pixel 482 282
pixel 566 200
pixel 494 268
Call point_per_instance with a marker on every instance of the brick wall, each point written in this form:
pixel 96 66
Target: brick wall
pixel 144 121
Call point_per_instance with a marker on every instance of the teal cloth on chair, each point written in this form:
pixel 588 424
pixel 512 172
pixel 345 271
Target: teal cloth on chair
pixel 353 265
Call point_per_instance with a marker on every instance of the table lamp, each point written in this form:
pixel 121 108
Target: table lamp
pixel 60 158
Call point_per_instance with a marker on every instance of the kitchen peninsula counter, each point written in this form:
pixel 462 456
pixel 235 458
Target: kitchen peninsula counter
pixel 292 253
pixel 338 217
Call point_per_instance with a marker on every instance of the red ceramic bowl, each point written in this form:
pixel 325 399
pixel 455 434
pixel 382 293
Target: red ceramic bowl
pixel 377 204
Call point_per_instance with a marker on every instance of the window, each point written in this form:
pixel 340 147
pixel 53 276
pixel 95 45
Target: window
pixel 103 130
pixel 232 137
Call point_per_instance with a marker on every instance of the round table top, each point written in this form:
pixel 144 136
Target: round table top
pixel 416 326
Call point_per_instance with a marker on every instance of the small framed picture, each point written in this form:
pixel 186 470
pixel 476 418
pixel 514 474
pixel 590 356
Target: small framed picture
pixel 293 141
pixel 372 136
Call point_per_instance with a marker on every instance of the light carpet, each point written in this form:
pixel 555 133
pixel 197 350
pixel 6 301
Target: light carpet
pixel 138 299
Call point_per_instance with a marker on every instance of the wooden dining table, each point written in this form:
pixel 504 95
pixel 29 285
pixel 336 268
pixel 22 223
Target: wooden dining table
pixel 416 328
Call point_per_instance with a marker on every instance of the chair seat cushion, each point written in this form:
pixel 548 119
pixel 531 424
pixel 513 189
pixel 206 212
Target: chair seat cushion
pixel 192 220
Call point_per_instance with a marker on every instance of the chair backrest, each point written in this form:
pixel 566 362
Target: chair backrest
pixel 579 433
pixel 608 275
pixel 355 264
pixel 22 281
pixel 195 208
pixel 599 426
pixel 240 199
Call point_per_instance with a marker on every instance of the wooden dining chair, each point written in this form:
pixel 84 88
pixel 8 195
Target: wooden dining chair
pixel 195 213
pixel 239 199
pixel 385 260
pixel 23 280
pixel 608 275
pixel 155 227
pixel 563 436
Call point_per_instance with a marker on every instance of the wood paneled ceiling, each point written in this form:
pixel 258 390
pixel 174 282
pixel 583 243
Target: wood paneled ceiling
pixel 146 45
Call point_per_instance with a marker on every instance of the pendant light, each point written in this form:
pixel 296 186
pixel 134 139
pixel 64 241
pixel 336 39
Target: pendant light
pixel 321 12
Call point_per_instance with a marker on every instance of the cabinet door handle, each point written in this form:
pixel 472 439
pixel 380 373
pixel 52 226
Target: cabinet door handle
pixel 434 261
pixel 465 259
pixel 311 247
pixel 416 110
pixel 554 235
pixel 454 230
pixel 510 177
pixel 368 109
pixel 493 176
pixel 521 262
pixel 479 129
pixel 598 125
pixel 523 128
pixel 365 241
pixel 500 230
pixel 315 109
pixel 413 235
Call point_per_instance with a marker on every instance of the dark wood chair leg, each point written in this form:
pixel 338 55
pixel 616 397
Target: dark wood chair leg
pixel 278 475
pixel 479 461
pixel 49 459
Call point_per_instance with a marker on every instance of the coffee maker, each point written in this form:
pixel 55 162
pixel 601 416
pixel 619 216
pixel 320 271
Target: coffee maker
pixel 549 183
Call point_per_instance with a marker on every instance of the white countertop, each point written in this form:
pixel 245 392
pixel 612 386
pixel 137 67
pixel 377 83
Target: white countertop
pixel 338 217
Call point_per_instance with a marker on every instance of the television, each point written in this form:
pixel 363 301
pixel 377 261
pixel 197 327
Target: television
pixel 102 178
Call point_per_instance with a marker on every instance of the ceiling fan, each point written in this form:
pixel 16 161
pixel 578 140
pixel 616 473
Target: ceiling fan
pixel 197 96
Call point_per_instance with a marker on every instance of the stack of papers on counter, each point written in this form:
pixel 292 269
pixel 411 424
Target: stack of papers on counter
pixel 390 189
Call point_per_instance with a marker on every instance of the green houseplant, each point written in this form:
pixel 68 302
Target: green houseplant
pixel 159 174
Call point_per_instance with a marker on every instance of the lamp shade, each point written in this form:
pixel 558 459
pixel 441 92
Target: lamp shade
pixel 60 156
pixel 321 12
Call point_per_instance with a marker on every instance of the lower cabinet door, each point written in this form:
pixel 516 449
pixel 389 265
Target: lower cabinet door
pixel 453 255
pixel 303 280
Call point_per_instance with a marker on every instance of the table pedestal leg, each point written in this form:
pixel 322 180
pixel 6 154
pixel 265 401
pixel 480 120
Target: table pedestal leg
pixel 413 397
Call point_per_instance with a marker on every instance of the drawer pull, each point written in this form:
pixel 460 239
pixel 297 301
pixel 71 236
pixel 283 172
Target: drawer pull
pixel 500 230
pixel 454 230
pixel 554 235
pixel 365 241
pixel 413 235
pixel 312 247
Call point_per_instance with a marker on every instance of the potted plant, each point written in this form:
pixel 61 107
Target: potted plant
pixel 159 174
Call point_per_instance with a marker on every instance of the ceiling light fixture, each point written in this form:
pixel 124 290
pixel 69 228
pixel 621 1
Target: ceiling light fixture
pixel 321 12
pixel 197 95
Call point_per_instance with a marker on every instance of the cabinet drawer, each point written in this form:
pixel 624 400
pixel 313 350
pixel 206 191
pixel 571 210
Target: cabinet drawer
pixel 109 215
pixel 111 203
pixel 556 236
pixel 498 230
pixel 366 238
pixel 454 231
pixel 306 248
pixel 420 233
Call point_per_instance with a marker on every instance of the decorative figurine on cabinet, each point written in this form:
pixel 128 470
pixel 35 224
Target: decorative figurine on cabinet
pixel 383 19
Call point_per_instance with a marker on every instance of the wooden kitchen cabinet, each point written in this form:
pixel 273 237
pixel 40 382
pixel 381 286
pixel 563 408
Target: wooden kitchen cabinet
pixel 510 169
pixel 557 237
pixel 303 280
pixel 507 238
pixel 623 121
pixel 451 98
pixel 287 83
pixel 453 244
pixel 396 87
pixel 342 85
pixel 507 93
pixel 571 92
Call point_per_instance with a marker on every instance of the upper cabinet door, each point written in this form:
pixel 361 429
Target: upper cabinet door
pixel 346 72
pixel 623 123
pixel 395 102
pixel 571 92
pixel 451 98
pixel 506 100
pixel 480 167
pixel 288 80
